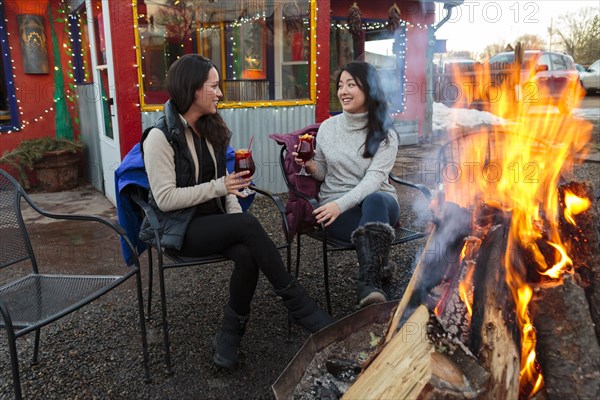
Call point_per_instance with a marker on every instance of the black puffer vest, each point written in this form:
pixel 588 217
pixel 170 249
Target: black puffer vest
pixel 174 224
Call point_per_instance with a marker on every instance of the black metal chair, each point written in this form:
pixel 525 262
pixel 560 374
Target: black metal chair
pixel 329 244
pixel 37 299
pixel 166 260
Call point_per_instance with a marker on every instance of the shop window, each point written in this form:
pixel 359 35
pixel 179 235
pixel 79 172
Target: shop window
pixel 263 48
pixel 383 49
pixel 8 106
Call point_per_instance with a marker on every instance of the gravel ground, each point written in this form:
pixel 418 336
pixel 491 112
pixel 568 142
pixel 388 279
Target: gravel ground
pixel 96 354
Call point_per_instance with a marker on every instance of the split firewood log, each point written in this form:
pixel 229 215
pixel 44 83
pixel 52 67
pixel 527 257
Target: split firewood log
pixel 422 361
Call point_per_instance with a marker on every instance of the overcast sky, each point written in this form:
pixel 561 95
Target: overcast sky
pixel 476 24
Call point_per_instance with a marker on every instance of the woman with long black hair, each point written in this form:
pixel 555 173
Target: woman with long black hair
pixel 195 200
pixel 355 152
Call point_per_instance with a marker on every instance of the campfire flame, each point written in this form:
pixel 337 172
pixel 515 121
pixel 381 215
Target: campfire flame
pixel 517 167
pixel 465 287
pixel 574 205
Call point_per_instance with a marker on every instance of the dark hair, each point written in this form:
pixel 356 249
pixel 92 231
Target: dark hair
pixel 378 119
pixel 186 75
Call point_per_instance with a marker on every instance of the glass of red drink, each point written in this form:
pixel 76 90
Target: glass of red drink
pixel 244 162
pixel 305 150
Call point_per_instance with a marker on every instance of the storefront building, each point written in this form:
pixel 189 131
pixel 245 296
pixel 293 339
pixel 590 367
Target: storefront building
pixel 277 58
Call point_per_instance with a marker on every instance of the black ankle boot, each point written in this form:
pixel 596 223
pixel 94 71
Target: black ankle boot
pixel 373 242
pixel 303 308
pixel 227 341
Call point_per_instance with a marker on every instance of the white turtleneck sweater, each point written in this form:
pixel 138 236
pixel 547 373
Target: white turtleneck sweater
pixel 348 177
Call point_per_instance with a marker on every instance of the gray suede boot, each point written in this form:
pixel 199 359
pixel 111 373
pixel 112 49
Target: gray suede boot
pixel 373 242
pixel 227 341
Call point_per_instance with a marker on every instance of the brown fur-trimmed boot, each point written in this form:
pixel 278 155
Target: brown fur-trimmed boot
pixel 373 242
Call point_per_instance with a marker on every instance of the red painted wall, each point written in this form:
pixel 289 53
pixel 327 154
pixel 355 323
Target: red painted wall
pixel 126 76
pixel 323 68
pixel 34 92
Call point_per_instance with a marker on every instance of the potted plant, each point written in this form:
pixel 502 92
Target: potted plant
pixel 55 162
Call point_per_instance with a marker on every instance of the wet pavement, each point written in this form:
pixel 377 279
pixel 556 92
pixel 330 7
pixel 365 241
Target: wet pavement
pixel 83 200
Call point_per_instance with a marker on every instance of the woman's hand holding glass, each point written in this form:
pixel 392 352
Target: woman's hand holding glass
pixel 245 163
pixel 238 181
pixel 305 151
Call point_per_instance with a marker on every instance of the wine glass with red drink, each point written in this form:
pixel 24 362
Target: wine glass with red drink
pixel 244 162
pixel 305 150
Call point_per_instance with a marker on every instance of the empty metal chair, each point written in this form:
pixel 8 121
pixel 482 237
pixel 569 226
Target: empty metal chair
pixel 42 296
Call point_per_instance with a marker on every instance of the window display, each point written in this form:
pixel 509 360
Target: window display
pixel 263 47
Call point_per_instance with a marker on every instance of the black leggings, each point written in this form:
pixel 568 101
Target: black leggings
pixel 241 238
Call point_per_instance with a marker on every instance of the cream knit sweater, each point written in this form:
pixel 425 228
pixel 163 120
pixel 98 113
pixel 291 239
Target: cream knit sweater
pixel 348 177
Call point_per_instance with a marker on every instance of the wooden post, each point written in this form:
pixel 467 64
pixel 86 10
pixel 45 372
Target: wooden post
pixel 429 88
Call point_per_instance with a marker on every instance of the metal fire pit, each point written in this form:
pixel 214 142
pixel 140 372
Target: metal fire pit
pixel 284 386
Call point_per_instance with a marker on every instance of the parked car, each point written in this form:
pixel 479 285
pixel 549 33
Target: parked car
pixel 590 78
pixel 451 64
pixel 547 77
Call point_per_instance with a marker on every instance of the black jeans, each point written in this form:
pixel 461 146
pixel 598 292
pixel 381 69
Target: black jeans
pixel 241 238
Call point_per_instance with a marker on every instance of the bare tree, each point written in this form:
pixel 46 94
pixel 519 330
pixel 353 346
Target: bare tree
pixel 579 34
pixel 493 49
pixel 531 42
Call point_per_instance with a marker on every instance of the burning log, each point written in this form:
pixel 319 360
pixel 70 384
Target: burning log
pixel 421 361
pixel 494 333
pixel 580 230
pixel 438 263
pixel 566 347
pixel 454 307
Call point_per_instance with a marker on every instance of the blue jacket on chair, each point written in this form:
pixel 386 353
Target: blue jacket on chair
pixel 130 172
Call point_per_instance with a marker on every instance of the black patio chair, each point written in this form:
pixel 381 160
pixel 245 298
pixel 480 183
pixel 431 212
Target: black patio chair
pixel 39 298
pixel 167 260
pixel 330 244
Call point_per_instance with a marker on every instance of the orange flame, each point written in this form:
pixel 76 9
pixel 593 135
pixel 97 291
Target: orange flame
pixel 465 289
pixel 560 267
pixel 574 205
pixel 517 166
pixel 465 286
